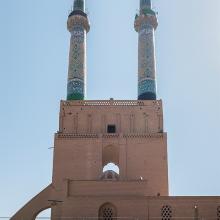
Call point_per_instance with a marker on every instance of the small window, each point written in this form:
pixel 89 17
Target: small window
pixel 111 129
pixel 166 212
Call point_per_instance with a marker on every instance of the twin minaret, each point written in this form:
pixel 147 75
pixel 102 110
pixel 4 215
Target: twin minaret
pixel 145 25
pixel 78 25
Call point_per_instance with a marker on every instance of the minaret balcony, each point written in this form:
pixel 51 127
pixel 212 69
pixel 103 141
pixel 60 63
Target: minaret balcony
pixel 78 20
pixel 147 18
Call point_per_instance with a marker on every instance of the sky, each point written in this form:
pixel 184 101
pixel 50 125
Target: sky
pixel 34 44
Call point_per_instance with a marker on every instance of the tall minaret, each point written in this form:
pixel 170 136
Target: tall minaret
pixel 145 24
pixel 78 26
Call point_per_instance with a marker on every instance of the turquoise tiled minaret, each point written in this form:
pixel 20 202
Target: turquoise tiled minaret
pixel 78 26
pixel 145 24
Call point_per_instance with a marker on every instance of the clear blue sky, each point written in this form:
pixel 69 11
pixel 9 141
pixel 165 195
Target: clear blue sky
pixel 33 65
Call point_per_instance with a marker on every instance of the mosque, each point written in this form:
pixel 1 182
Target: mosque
pixel 127 133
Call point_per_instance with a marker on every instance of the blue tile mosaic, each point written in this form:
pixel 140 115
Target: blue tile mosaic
pixel 76 74
pixel 146 62
pixel 147 85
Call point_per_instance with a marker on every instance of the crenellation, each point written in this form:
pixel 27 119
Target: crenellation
pixel 96 103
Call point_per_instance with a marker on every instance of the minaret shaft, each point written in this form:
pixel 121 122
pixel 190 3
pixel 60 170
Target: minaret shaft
pixel 78 26
pixel 145 25
pixel 77 64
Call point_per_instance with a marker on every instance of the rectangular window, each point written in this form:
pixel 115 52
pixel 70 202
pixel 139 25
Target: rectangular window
pixel 111 129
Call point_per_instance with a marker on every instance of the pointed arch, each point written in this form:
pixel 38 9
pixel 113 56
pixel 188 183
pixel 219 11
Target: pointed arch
pixel 111 167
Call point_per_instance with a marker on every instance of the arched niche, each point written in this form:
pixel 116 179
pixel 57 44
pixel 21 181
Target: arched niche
pixel 107 212
pixel 110 154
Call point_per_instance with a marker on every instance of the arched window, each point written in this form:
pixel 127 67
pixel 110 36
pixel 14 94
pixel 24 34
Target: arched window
pixel 218 213
pixel 110 163
pixel 166 212
pixel 107 212
pixel 110 172
pixel 111 166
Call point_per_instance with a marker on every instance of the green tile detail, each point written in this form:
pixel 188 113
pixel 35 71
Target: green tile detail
pixel 75 96
pixel 148 11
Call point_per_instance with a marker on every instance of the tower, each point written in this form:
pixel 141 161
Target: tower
pixel 128 133
pixel 93 134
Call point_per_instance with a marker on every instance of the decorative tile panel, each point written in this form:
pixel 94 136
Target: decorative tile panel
pixel 75 86
pixel 146 61
pixel 76 74
pixel 146 86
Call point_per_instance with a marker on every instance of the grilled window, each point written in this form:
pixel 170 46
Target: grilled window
pixel 107 212
pixel 166 212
